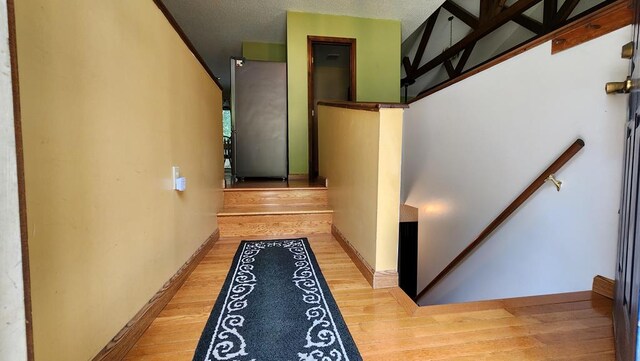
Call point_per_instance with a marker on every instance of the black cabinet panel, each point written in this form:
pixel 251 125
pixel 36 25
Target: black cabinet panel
pixel 408 258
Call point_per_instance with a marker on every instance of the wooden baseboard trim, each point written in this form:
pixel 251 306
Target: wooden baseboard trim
pixel 385 279
pixel 358 260
pixel 604 286
pixel 506 303
pixel 412 308
pixel 377 279
pixel 118 347
pixel 404 300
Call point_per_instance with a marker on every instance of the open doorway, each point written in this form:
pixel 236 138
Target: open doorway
pixel 331 76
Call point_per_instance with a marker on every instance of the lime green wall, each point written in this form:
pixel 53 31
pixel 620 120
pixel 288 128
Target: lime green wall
pixel 264 51
pixel 377 68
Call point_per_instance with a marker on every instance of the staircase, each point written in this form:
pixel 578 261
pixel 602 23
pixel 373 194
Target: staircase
pixel 254 212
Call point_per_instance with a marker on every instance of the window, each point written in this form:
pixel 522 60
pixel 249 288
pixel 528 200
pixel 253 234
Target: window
pixel 226 123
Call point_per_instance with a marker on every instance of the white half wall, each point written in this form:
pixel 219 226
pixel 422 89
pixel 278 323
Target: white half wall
pixel 13 342
pixel 471 148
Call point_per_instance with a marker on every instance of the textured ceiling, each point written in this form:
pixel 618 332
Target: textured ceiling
pixel 217 28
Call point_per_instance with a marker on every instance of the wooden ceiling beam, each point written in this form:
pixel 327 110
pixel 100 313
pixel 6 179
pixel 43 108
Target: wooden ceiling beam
pixel 565 10
pixel 461 14
pixel 408 69
pixel 464 58
pixel 529 23
pixel 485 28
pixel 549 14
pixel 486 10
pixel 501 6
pixel 426 34
pixel 449 68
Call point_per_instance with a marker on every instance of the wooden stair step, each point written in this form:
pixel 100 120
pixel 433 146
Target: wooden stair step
pixel 275 224
pixel 250 197
pixel 261 210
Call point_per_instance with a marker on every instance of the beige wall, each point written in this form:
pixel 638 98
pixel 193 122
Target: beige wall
pixel 360 154
pixel 111 99
pixel 389 168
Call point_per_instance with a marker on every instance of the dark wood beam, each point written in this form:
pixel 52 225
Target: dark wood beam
pixel 565 10
pixel 426 34
pixel 501 6
pixel 449 68
pixel 601 15
pixel 486 10
pixel 464 58
pixel 505 16
pixel 461 14
pixel 408 68
pixel 529 23
pixel 549 14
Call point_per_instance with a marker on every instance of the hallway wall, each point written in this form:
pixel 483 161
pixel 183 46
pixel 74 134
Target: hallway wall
pixel 252 50
pixel 111 99
pixel 377 68
pixel 472 147
pixel 367 144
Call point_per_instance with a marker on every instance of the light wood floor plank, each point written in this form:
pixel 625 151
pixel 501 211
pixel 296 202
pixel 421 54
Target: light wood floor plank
pixel 567 327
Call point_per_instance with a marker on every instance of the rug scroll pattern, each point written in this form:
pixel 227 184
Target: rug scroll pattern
pixel 322 339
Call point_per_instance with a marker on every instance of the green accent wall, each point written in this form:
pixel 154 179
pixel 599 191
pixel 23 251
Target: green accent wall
pixel 377 68
pixel 264 51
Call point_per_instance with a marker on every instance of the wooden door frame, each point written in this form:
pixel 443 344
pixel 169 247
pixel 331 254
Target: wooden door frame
pixel 312 136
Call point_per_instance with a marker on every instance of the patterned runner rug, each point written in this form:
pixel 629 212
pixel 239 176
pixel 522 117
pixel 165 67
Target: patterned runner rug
pixel 275 305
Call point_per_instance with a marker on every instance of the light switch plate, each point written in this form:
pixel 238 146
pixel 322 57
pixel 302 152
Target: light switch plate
pixel 175 174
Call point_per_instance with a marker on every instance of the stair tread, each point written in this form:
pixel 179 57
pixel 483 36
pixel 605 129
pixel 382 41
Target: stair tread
pixel 273 210
pixel 285 189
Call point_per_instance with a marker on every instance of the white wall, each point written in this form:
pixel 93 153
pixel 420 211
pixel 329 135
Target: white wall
pixel 12 318
pixel 471 148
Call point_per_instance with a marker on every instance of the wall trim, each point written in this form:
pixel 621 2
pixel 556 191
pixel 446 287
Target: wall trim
pixel 366 106
pixel 296 176
pixel 604 286
pixel 22 199
pixel 124 340
pixel 385 279
pixel 413 309
pixel 185 39
pixel 377 279
pixel 618 15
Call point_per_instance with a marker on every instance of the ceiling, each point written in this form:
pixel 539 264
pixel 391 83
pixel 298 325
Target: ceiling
pixel 217 28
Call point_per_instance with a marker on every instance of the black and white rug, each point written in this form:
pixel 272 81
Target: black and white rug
pixel 275 305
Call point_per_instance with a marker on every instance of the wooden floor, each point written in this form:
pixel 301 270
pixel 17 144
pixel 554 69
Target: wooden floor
pixel 570 328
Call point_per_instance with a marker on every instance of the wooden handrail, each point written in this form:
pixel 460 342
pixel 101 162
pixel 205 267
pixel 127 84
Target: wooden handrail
pixel 528 192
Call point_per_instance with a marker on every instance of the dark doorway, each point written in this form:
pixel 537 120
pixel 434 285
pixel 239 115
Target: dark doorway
pixel 331 76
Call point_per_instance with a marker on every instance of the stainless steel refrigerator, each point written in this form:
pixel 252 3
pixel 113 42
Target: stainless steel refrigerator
pixel 259 118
